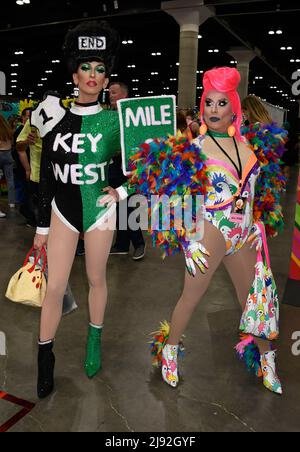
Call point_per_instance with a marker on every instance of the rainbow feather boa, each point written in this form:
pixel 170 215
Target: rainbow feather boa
pixel 268 143
pixel 174 167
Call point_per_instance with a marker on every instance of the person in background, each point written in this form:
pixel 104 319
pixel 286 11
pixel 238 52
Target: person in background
pixel 118 91
pixel 22 185
pixel 181 121
pixel 14 122
pixel 6 161
pixel 192 123
pixel 255 112
pixel 29 137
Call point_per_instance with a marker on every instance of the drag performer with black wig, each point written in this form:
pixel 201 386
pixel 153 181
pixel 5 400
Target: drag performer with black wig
pixel 78 145
pixel 224 168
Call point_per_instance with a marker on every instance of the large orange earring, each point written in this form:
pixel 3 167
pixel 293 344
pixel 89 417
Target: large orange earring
pixel 231 131
pixel 203 129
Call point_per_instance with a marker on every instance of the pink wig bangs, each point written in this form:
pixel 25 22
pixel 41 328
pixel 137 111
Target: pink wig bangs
pixel 224 80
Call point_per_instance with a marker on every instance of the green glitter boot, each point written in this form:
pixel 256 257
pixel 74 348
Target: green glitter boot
pixel 93 363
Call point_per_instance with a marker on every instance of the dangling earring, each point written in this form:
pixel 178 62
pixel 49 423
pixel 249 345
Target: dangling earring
pixel 232 129
pixel 203 129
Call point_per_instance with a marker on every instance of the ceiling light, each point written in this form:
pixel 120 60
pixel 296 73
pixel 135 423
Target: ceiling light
pixel 271 32
pixel 13 74
pixel 130 41
pixel 200 36
pixel 279 32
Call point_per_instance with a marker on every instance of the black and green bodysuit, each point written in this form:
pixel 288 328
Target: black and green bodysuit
pixel 78 145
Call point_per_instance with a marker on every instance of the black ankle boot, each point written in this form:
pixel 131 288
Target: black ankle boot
pixel 46 361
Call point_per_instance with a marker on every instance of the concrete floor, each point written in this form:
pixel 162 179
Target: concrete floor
pixel 216 394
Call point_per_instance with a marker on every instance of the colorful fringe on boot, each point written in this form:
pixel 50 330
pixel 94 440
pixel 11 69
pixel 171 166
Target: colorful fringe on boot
pixel 159 340
pixel 248 351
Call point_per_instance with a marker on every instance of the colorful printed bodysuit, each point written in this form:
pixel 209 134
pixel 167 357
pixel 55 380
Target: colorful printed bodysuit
pixel 76 155
pixel 220 199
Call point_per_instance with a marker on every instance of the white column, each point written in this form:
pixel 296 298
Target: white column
pixel 243 56
pixel 189 14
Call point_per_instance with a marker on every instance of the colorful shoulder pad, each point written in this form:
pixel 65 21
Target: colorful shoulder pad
pixel 48 114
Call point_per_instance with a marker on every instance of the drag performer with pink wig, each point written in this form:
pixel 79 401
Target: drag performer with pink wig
pixel 231 236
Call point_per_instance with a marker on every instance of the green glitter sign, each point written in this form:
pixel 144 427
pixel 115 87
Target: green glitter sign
pixel 145 118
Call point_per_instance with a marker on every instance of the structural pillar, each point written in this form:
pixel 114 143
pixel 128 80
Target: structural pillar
pixel 189 14
pixel 244 57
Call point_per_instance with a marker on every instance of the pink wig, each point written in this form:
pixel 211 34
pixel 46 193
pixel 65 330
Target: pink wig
pixel 224 80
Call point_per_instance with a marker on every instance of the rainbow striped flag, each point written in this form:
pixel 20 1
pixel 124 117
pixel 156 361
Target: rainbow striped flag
pixel 295 259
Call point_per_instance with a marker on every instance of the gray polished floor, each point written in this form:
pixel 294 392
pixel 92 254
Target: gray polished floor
pixel 216 393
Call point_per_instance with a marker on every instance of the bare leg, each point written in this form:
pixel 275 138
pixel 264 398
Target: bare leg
pixel 97 247
pixel 241 268
pixel 195 288
pixel 61 252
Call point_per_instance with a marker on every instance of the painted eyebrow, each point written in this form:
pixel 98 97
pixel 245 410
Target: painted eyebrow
pixel 90 64
pixel 208 99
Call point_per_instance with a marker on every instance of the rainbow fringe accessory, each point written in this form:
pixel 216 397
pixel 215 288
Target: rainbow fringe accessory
pixel 268 143
pixel 159 340
pixel 174 167
pixel 248 351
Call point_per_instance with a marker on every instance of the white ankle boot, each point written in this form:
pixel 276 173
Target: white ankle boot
pixel 270 377
pixel 170 365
